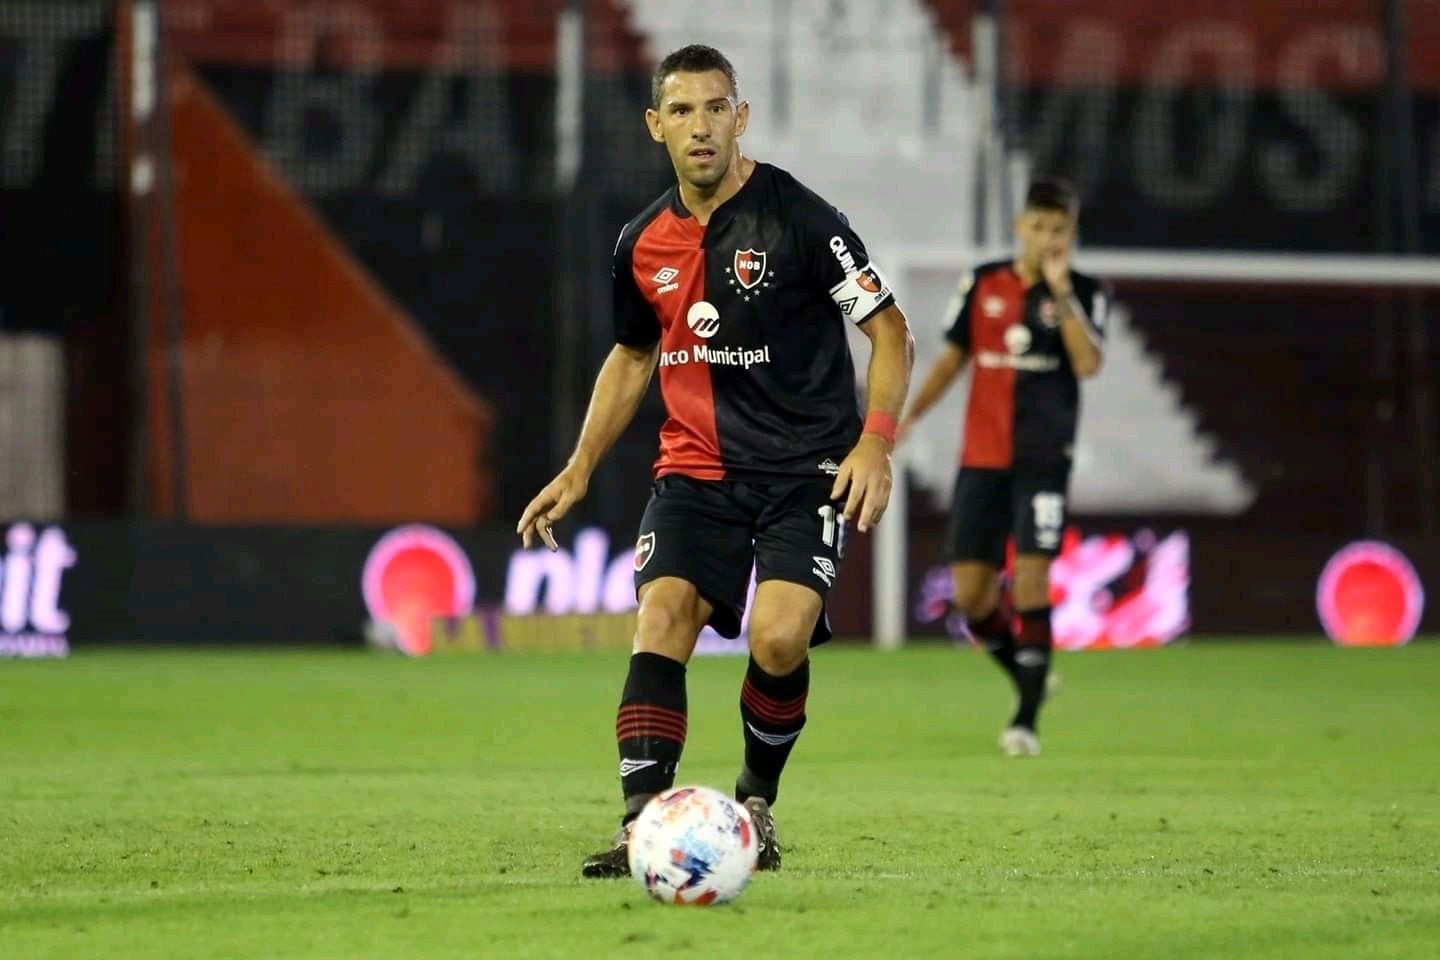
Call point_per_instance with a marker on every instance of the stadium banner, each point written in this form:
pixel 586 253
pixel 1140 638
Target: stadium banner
pixel 69 586
pixel 1118 584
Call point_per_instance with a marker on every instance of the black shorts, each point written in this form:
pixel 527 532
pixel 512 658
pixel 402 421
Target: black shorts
pixel 1027 501
pixel 712 533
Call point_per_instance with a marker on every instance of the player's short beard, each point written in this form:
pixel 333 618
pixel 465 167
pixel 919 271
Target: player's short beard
pixel 706 179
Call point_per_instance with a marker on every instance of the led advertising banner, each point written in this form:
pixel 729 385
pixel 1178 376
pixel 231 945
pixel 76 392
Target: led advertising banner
pixel 1107 591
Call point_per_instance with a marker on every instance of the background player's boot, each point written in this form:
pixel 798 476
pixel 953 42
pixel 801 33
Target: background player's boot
pixel 1019 742
pixel 765 835
pixel 614 862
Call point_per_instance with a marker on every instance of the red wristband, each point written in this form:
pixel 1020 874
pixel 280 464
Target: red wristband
pixel 881 424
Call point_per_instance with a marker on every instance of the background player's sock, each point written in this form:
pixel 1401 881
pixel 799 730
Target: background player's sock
pixel 994 634
pixel 1032 664
pixel 772 713
pixel 650 728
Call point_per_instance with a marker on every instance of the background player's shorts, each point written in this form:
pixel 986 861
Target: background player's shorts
pixel 1028 500
pixel 712 532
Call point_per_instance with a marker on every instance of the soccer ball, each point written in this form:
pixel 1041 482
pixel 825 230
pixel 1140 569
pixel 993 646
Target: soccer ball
pixel 693 845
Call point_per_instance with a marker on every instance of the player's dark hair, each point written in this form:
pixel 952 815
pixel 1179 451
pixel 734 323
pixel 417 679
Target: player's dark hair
pixel 1053 194
pixel 696 58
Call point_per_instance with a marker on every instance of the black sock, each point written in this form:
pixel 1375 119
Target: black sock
pixel 650 728
pixel 1032 664
pixel 994 634
pixel 772 711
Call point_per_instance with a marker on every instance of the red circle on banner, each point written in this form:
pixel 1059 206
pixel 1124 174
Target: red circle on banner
pixel 1369 595
pixel 413 575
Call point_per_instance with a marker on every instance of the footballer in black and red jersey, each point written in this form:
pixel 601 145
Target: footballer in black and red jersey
pixel 1030 328
pixel 737 286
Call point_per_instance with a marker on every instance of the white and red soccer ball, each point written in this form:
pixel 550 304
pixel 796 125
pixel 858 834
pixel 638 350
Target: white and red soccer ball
pixel 693 845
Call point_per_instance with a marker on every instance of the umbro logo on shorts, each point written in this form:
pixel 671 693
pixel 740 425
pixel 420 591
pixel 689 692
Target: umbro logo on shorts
pixel 824 569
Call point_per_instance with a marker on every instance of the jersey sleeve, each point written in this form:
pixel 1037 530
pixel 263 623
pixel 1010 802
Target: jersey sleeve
pixel 635 322
pixel 840 265
pixel 957 313
pixel 1093 300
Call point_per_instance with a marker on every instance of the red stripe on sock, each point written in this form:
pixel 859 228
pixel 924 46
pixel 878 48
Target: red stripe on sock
pixel 640 720
pixel 643 733
pixel 770 709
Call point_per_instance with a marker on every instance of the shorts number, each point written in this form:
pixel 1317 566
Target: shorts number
pixel 1049 518
pixel 832 531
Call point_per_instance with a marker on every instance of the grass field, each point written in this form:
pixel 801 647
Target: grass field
pixel 1216 801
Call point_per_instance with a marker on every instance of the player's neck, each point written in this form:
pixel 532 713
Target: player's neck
pixel 702 202
pixel 1028 275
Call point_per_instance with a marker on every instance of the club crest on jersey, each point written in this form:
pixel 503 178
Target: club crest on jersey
pixel 749 268
pixel 644 550
pixel 1047 314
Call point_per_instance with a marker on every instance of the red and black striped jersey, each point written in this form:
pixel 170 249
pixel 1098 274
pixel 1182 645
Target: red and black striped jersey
pixel 1024 397
pixel 749 312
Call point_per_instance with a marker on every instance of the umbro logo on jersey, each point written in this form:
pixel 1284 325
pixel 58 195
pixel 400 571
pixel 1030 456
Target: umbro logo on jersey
pixel 994 306
pixel 824 569
pixel 628 767
pixel 847 306
pixel 666 277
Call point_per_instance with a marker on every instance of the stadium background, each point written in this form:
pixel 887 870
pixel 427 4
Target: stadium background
pixel 280 277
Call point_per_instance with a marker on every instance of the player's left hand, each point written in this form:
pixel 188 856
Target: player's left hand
pixel 1055 264
pixel 866 474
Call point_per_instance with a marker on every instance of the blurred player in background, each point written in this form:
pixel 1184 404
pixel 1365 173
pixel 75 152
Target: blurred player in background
pixel 737 284
pixel 1033 327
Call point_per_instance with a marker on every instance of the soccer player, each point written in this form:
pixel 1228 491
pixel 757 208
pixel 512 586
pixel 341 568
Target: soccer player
pixel 736 284
pixel 1034 327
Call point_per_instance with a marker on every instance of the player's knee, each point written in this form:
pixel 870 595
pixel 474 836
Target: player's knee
pixel 666 623
pixel 780 643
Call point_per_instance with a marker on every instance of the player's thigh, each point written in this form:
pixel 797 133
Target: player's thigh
pixel 979 520
pixel 693 531
pixel 782 624
pixel 1041 507
pixel 671 613
pixel 800 539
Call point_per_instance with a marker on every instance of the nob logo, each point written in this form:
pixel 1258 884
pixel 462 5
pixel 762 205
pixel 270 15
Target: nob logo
pixel 704 319
pixel 413 575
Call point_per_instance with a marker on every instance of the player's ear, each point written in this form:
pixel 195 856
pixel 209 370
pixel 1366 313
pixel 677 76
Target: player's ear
pixel 652 121
pixel 742 117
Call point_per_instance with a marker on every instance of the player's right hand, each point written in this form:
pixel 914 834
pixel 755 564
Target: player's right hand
pixel 549 505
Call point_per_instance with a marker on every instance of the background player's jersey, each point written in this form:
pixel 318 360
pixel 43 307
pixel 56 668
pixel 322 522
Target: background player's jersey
pixel 1024 396
pixel 750 313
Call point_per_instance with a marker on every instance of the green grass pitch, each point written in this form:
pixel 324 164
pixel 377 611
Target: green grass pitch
pixel 1210 801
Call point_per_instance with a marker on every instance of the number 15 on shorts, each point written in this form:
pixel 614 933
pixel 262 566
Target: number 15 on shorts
pixel 832 534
